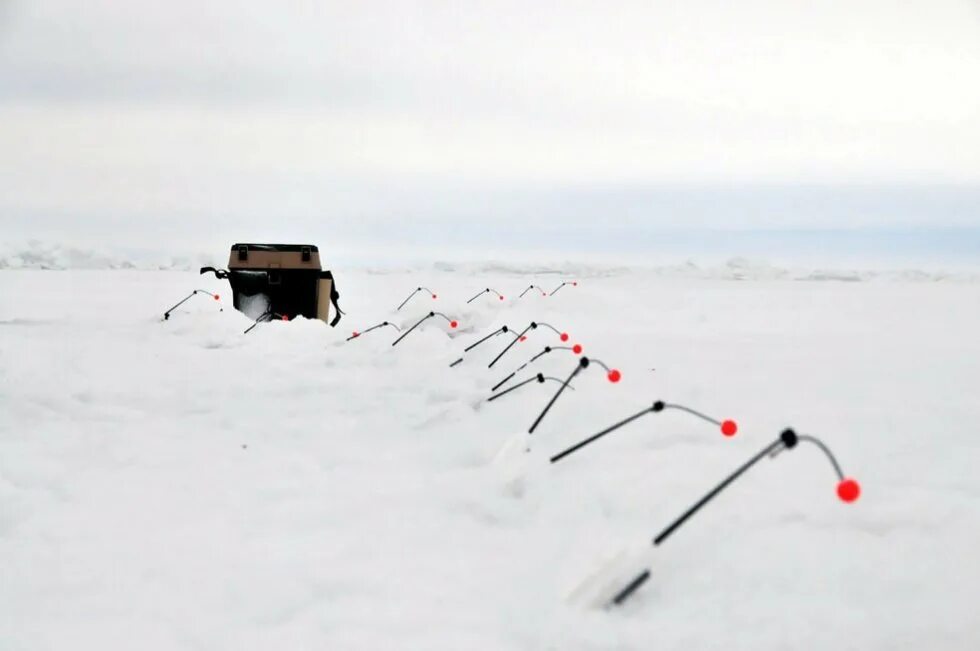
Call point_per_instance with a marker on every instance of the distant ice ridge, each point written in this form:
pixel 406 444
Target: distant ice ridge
pixel 43 255
pixel 737 268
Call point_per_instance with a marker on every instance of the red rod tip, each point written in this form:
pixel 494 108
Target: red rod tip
pixel 577 349
pixel 564 336
pixel 356 334
pixel 285 317
pixel 574 283
pixel 523 338
pixel 729 428
pixel 501 298
pixel 434 297
pixel 453 324
pixel 614 376
pixel 217 297
pixel 848 490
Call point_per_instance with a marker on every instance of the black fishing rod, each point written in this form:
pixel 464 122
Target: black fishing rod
pixel 848 490
pixel 612 375
pixel 266 316
pixel 577 349
pixel 357 334
pixel 493 334
pixel 166 315
pixel 728 427
pixel 486 291
pixel 540 378
pixel 574 283
pixel 452 324
pixel 419 289
pixel 523 335
pixel 529 288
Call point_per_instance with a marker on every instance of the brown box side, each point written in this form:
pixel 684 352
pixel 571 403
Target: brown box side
pixel 323 299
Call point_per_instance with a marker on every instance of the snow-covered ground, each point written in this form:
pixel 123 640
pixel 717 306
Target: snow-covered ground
pixel 180 485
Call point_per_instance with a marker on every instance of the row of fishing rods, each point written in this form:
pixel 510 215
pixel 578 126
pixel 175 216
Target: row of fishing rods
pixel 848 489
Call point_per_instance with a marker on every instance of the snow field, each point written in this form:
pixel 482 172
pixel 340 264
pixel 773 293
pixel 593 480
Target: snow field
pixel 181 485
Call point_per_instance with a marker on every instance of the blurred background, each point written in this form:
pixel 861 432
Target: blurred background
pixel 836 132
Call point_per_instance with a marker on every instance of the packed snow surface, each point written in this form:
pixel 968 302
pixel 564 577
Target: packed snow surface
pixel 181 485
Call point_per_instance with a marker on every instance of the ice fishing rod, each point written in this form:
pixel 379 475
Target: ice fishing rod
pixel 848 490
pixel 496 332
pixel 166 315
pixel 728 427
pixel 452 324
pixel 533 326
pixel 434 297
pixel 529 288
pixel 574 283
pixel 577 349
pixel 380 325
pixel 540 377
pixel 485 291
pixel 266 316
pixel 612 375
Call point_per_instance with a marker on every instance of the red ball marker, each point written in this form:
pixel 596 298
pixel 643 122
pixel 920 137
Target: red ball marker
pixel 501 298
pixel 729 428
pixel 614 376
pixel 217 297
pixel 563 336
pixel 285 317
pixel 848 490
pixel 577 349
pixel 453 324
pixel 574 283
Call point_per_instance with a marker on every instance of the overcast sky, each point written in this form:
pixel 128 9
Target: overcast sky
pixel 176 120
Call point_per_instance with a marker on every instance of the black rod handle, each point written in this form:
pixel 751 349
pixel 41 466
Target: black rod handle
pixel 516 339
pixel 502 382
pixel 697 506
pixel 582 363
pixel 409 331
pixel 492 334
pixel 523 366
pixel 408 299
pixel 166 315
pixel 265 316
pixel 538 378
pixel 595 437
pixel 632 587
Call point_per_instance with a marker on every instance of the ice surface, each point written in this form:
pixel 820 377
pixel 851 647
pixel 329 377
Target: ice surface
pixel 180 485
